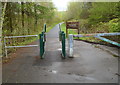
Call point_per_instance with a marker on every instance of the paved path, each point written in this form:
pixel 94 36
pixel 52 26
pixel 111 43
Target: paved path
pixel 90 65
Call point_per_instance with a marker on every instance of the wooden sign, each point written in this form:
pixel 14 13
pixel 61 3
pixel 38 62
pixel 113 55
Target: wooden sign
pixel 72 25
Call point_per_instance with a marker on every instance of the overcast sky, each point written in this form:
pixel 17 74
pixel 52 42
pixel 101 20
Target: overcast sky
pixel 61 5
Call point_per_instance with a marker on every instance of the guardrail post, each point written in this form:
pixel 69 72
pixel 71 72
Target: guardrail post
pixel 70 45
pixel 63 45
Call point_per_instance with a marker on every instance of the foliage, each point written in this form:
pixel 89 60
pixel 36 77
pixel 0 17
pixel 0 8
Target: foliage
pixel 74 10
pixel 26 18
pixel 95 17
pixel 113 25
pixel 92 12
pixel 102 12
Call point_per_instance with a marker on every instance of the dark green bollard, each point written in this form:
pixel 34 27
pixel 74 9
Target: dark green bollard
pixel 44 28
pixel 42 39
pixel 41 45
pixel 44 32
pixel 60 35
pixel 63 45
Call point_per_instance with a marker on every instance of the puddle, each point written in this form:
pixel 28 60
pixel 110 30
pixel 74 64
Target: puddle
pixel 81 76
pixel 59 49
pixel 89 78
pixel 53 71
pixel 76 55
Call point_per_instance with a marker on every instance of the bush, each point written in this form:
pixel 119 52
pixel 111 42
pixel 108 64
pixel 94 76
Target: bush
pixel 113 25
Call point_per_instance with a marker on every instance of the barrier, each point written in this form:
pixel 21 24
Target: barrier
pixel 62 40
pixel 42 40
pixel 70 39
pixel 6 47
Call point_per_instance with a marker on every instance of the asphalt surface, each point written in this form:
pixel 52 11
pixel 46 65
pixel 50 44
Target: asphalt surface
pixel 89 65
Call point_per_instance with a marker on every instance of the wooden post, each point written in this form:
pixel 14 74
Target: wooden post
pixel 66 30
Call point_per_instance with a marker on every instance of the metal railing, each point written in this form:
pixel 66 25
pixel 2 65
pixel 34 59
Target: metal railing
pixel 6 47
pixel 42 39
pixel 97 35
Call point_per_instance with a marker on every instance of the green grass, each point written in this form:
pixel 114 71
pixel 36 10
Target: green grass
pixel 70 31
pixel 29 41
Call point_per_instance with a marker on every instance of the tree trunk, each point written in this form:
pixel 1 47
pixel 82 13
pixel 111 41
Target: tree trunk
pixel 3 13
pixel 35 12
pixel 22 11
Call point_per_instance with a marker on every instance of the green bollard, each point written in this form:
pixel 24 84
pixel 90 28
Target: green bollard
pixel 44 28
pixel 41 45
pixel 63 45
pixel 44 36
pixel 60 36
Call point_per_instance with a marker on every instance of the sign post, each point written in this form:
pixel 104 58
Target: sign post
pixel 72 25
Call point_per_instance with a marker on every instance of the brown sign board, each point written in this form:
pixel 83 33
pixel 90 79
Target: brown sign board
pixel 72 25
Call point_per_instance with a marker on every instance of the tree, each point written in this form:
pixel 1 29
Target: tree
pixel 102 12
pixel 2 15
pixel 74 10
pixel 22 12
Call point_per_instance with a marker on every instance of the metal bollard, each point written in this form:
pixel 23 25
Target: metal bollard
pixel 70 47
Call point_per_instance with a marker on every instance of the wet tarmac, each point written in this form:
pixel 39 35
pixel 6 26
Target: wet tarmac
pixel 89 65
